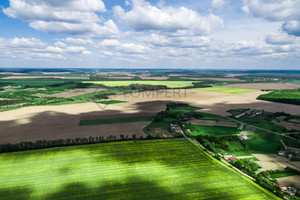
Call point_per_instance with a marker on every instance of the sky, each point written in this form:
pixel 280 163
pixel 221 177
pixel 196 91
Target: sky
pixel 174 34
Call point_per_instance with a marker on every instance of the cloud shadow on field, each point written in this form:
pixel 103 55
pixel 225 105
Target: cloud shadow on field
pixel 18 192
pixel 52 125
pixel 133 188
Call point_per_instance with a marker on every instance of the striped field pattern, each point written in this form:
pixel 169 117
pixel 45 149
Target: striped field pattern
pixel 152 169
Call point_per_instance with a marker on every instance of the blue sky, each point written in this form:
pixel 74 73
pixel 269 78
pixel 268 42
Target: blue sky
pixel 206 34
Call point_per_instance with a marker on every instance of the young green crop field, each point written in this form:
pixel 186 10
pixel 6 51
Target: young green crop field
pixel 111 102
pixel 169 84
pixel 263 145
pixel 226 90
pixel 32 82
pixel 211 130
pixel 153 169
pixel 295 82
pixel 281 175
pixel 185 108
pixel 283 96
pixel 115 120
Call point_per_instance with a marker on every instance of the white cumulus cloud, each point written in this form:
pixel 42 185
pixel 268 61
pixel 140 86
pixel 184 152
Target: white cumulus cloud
pixel 286 11
pixel 75 17
pixel 281 39
pixel 219 4
pixel 145 17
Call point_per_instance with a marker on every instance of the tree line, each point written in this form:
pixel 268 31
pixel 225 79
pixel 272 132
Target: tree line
pixel 41 144
pixel 212 142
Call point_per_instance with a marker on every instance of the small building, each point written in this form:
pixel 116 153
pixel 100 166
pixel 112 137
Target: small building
pixel 281 153
pixel 282 187
pixel 240 115
pixel 241 126
pixel 291 191
pixel 243 137
pixel 231 159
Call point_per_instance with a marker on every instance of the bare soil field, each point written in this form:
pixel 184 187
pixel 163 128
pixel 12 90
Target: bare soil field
pixel 273 162
pixel 270 157
pixel 178 75
pixel 215 79
pixel 234 75
pixel 154 77
pixel 59 122
pixel 51 73
pixel 212 123
pixel 121 77
pixel 169 95
pixel 111 116
pixel 202 122
pixel 290 180
pixel 293 164
pixel 229 124
pixel 263 86
pixel 289 126
pixel 268 165
pixel 294 120
pixel 72 93
pixel 212 102
pixel 55 122
pixel 220 105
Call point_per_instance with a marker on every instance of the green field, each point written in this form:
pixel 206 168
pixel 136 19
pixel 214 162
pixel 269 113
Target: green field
pixel 295 82
pixel 115 120
pixel 211 130
pixel 263 145
pixel 185 108
pixel 31 82
pixel 281 175
pixel 225 90
pixel 235 146
pixel 283 96
pixel 169 84
pixel 110 102
pixel 154 169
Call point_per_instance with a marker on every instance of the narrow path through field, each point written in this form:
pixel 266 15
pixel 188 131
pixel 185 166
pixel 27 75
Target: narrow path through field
pixel 242 157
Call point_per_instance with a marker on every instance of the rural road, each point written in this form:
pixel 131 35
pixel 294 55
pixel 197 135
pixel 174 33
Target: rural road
pixel 213 154
pixel 260 128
